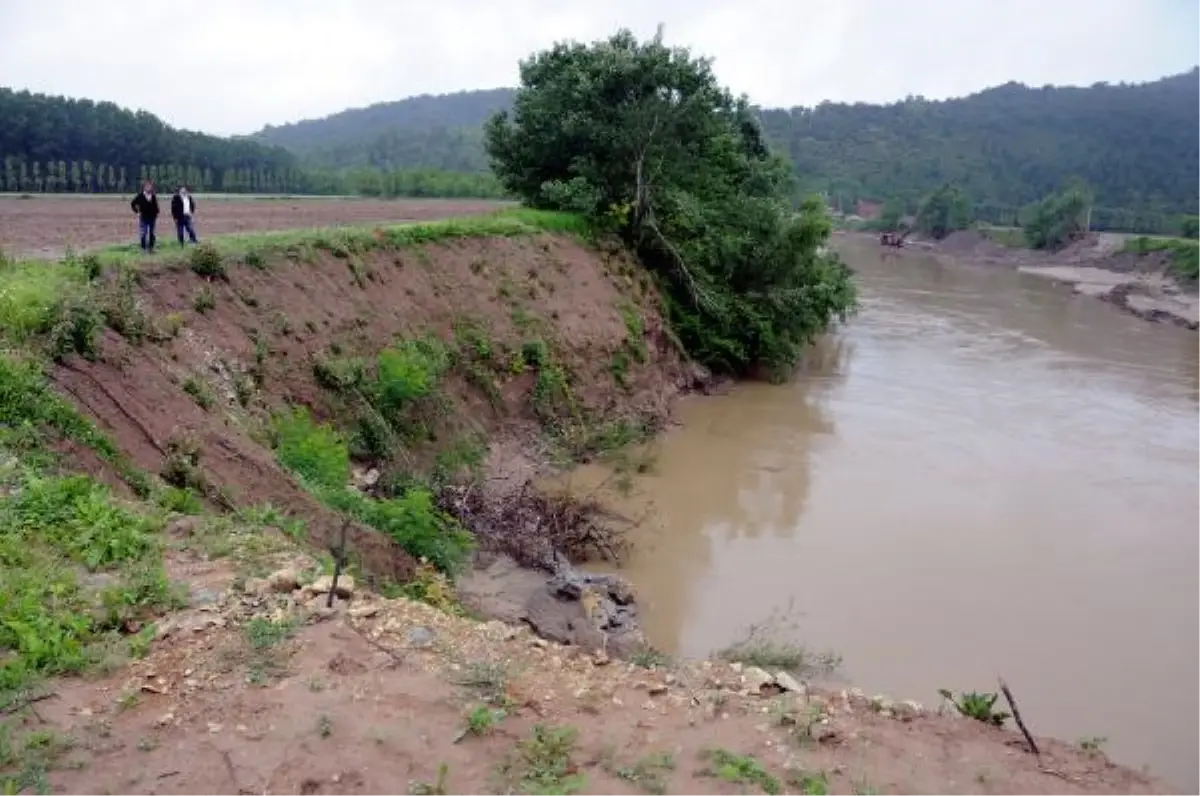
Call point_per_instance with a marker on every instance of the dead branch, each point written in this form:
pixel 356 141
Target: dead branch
pixel 532 526
pixel 1012 704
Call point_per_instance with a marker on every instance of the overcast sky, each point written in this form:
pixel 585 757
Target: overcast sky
pixel 231 66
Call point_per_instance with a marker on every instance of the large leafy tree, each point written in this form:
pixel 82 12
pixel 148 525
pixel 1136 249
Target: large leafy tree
pixel 944 211
pixel 1057 219
pixel 642 139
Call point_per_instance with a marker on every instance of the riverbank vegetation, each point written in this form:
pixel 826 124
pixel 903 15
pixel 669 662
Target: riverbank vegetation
pixel 639 139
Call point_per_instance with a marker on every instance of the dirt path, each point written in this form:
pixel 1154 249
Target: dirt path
pixel 47 226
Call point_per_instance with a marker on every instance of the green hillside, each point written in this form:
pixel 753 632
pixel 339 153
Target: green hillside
pixel 1134 145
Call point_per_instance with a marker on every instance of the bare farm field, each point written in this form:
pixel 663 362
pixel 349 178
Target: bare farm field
pixel 44 227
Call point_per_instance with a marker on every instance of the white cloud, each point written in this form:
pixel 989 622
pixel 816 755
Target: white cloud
pixel 230 66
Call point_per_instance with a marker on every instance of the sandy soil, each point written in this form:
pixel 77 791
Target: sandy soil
pixel 259 688
pixel 46 226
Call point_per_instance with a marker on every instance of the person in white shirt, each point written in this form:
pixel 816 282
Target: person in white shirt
pixel 183 210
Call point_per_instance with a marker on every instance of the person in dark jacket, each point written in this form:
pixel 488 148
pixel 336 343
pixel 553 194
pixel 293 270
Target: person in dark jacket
pixel 145 204
pixel 183 209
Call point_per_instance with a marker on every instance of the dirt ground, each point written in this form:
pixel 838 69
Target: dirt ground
pixel 259 688
pixel 46 226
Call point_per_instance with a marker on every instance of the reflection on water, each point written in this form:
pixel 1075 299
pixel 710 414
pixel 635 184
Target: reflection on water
pixel 982 472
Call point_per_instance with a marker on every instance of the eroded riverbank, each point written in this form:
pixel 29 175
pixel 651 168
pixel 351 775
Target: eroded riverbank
pixel 952 488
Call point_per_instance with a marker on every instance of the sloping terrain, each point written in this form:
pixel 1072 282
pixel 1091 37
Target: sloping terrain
pixel 218 647
pixel 226 353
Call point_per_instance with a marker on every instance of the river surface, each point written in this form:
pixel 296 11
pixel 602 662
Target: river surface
pixel 981 473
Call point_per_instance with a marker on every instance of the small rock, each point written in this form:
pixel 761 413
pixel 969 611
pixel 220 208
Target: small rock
pixel 907 710
pixel 788 683
pixel 737 667
pixel 286 580
pixel 657 690
pixel 669 679
pixel 600 658
pixel 364 611
pixel 182 526
pixel 258 586
pixel 420 637
pixel 540 643
pixel 756 679
pixel 345 586
pixel 166 719
pixel 214 728
pixel 242 728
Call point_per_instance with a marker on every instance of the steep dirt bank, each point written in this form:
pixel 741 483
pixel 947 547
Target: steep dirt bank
pixel 1138 283
pixel 555 350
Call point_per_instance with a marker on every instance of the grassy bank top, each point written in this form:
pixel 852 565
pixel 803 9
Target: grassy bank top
pixel 31 289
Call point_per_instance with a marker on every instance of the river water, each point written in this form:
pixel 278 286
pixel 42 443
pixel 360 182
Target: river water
pixel 981 473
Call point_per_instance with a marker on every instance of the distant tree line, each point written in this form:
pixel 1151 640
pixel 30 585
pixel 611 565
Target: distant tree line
pixel 72 176
pixel 59 145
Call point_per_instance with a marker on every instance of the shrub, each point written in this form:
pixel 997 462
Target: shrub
pixel 206 260
pixel 315 452
pixel 407 372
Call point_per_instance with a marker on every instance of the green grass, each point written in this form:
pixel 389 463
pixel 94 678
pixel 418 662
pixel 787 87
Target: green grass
pixel 543 763
pixel 1012 237
pixel 1184 254
pixel 320 456
pixel 739 770
pixel 775 655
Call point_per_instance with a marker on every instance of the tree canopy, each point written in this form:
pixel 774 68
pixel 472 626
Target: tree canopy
pixel 944 211
pixel 641 139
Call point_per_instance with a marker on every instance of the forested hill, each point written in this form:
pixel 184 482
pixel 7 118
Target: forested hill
pixel 50 143
pixel 1134 145
pixel 442 132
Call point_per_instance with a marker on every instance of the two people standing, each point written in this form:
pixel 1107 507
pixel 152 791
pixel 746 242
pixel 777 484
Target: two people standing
pixel 183 208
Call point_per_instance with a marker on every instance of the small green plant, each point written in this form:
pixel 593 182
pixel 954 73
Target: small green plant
pixel 204 300
pixel 181 466
pixel 339 375
pixel 649 658
pixel 436 788
pixel 254 259
pixel 1093 744
pixel 978 706
pixel 488 680
pixel 649 772
pixel 808 783
pixel 75 329
pixel 206 261
pixel 545 764
pixel 91 266
pixel 264 633
pixel 324 726
pixel 774 655
pixel 482 719
pixel 739 769
pixel 199 392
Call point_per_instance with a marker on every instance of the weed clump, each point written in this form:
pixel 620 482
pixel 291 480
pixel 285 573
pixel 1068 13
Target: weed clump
pixel 320 455
pixel 206 261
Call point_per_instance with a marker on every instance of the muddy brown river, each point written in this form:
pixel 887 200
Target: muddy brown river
pixel 981 473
